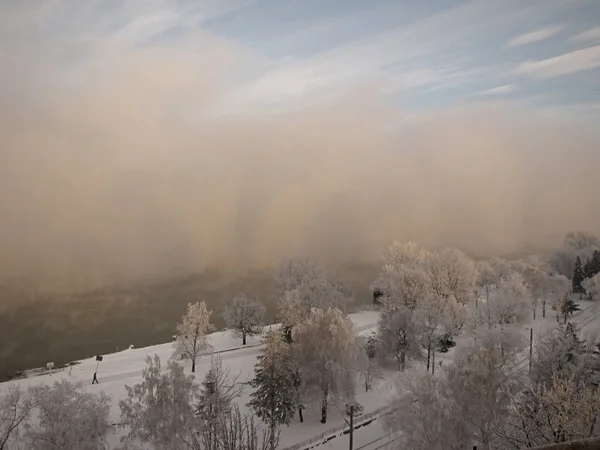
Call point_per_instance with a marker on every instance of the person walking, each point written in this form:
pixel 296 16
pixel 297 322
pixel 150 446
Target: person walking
pixel 95 380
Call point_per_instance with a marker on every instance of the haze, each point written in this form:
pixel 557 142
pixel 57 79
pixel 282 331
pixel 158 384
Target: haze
pixel 122 159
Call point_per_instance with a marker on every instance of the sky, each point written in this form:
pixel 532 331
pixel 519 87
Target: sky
pixel 139 137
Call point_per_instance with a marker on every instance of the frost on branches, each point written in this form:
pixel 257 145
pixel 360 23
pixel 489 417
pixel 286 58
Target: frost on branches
pixel 191 341
pixel 561 411
pixel 592 287
pixel 508 305
pixel 15 408
pixel 368 361
pixel 424 413
pixel 563 353
pixel 244 316
pixel 276 397
pixel 159 409
pixel 68 417
pixel 303 284
pixel 452 274
pixel 324 346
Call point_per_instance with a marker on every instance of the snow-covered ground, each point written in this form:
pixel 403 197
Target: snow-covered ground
pixel 125 368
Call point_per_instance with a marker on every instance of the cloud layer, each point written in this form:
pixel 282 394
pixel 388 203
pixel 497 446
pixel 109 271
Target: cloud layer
pixel 118 168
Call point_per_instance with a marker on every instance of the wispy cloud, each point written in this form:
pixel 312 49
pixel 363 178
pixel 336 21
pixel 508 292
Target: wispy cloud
pixel 534 36
pixel 566 64
pixel 591 36
pixel 498 90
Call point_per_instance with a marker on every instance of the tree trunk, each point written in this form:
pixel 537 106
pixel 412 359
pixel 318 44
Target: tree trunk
pixel 324 406
pixel 433 362
pixel 428 355
pixel 272 435
pixel 544 308
pixel 566 313
pixel 193 364
pixel 401 360
pixel 534 312
pixel 243 338
pixel 300 408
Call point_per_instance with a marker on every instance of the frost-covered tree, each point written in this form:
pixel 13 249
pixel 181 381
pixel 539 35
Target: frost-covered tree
pixel 576 244
pixel 481 385
pixel 15 408
pixel 159 410
pixel 275 398
pixel 214 400
pixel 486 279
pixel 368 363
pixel 501 267
pixel 303 284
pixel 68 417
pixel 563 353
pixel 405 285
pixel 399 332
pixel 408 254
pixel 592 286
pixel 432 311
pixel 191 340
pixel 324 347
pixel 451 274
pixel 581 240
pixel 508 305
pixel 536 278
pixel 562 411
pixel 424 415
pixel 244 316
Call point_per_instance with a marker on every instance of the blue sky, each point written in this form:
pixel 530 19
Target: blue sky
pixel 541 54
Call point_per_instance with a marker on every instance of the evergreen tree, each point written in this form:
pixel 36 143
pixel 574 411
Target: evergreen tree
pixel 276 397
pixel 567 306
pixel 578 276
pixel 587 268
pixel 595 264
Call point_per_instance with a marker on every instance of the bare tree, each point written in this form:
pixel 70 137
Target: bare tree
pixel 244 316
pixel 15 408
pixel 68 417
pixel 159 410
pixel 191 341
pixel 214 401
pixel 241 432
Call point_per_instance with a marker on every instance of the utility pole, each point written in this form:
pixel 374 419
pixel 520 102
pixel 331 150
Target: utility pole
pixel 530 348
pixel 351 444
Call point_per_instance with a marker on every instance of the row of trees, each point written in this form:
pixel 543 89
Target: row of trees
pixel 484 398
pixel 427 298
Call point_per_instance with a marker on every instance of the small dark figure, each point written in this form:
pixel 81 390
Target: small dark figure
pixel 95 380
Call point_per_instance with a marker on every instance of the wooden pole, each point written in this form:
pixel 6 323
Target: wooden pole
pixel 530 348
pixel 351 443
